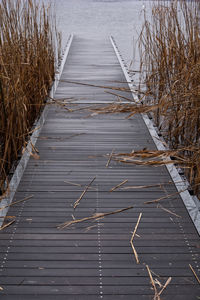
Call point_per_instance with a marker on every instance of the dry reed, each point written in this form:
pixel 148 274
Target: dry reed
pixel 169 211
pixel 16 202
pixel 132 109
pixel 96 216
pixel 28 50
pixel 132 238
pixel 154 282
pixel 7 225
pixel 156 157
pixel 118 185
pixel 195 274
pixel 76 203
pixel 170 68
pixel 109 159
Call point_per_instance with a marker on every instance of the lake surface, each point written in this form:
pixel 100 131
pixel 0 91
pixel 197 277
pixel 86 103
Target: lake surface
pixel 101 18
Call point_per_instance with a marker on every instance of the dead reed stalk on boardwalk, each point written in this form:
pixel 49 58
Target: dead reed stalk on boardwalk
pixel 7 225
pixel 195 274
pixel 156 157
pixel 153 283
pixel 118 185
pixel 132 109
pixel 16 202
pixel 76 203
pixel 170 75
pixel 109 158
pixel 27 57
pixel 132 238
pixel 93 217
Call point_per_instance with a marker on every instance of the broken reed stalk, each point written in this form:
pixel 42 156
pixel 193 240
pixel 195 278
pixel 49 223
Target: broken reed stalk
pixel 173 82
pixel 146 163
pixel 72 183
pixel 91 227
pixel 76 203
pixel 133 235
pixel 141 186
pixel 29 47
pixel 98 86
pixel 195 274
pixel 7 225
pixel 150 185
pixel 120 96
pixel 153 157
pixel 169 211
pixel 135 253
pixel 132 109
pixel 16 202
pixel 110 157
pixel 93 217
pixel 156 293
pixel 156 297
pixel 165 285
pixel 165 197
pixel 118 185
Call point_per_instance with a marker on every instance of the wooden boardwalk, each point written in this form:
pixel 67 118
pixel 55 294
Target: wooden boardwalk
pixel 94 260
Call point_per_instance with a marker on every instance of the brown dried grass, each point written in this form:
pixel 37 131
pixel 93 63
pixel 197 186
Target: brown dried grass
pixel 132 109
pixel 155 157
pixel 170 68
pixel 28 37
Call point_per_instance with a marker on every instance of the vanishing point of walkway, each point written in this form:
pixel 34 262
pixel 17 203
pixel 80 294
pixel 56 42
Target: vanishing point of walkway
pixel 94 260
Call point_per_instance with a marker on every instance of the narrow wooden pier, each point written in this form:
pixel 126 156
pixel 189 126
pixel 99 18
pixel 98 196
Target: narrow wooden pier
pixel 94 260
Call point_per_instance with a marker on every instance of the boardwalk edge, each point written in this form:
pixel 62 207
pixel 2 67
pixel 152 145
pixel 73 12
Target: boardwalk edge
pixel 16 178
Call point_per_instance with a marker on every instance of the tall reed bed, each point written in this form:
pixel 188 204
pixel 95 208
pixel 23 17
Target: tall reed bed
pixel 28 39
pixel 170 68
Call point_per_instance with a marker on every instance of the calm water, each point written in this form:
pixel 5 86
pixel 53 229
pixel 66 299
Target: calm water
pixel 102 18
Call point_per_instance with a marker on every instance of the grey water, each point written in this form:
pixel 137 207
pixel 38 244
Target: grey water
pixel 122 19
